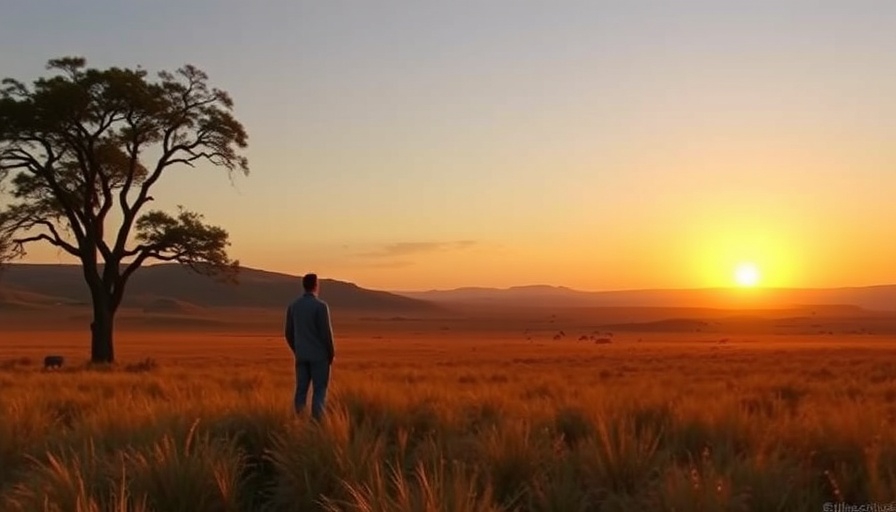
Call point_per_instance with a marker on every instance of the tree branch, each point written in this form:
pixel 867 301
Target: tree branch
pixel 58 240
pixel 74 142
pixel 61 195
pixel 20 242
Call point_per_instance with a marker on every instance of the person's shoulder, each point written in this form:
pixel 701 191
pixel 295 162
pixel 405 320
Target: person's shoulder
pixel 295 302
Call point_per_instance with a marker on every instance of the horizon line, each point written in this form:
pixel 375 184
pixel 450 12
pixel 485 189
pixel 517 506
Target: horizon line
pixel 757 288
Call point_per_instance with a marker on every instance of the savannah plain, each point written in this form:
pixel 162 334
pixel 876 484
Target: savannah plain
pixel 467 411
pixel 642 153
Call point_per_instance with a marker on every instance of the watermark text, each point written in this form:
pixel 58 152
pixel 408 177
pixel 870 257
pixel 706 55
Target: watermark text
pixel 859 507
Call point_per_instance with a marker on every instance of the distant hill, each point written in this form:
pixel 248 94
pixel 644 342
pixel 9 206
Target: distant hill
pixel 881 298
pixel 170 288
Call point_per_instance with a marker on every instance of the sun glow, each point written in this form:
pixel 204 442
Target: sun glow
pixel 746 254
pixel 746 275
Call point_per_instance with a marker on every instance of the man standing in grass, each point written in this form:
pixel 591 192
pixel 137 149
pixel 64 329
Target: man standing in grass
pixel 310 337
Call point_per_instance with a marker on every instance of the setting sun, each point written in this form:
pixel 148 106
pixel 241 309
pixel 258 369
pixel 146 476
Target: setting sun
pixel 746 274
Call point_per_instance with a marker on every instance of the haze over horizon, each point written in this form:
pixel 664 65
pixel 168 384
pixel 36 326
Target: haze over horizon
pixel 593 145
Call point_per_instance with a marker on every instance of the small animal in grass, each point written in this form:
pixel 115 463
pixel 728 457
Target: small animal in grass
pixel 51 362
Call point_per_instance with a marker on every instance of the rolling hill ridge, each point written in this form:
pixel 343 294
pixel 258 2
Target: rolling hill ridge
pixel 170 288
pixel 879 298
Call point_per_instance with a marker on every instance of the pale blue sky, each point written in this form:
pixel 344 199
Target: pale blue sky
pixel 592 144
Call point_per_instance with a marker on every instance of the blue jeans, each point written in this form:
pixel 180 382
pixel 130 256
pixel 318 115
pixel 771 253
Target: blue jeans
pixel 308 373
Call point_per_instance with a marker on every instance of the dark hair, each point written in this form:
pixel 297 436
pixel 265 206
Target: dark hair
pixel 309 282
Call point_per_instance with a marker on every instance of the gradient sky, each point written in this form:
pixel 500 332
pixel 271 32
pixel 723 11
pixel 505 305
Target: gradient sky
pixel 597 145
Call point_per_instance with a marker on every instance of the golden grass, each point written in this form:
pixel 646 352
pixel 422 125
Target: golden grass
pixel 457 422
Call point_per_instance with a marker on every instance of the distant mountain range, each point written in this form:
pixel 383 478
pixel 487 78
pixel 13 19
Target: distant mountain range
pixel 171 288
pixel 881 298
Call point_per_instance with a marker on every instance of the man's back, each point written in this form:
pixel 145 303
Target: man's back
pixel 308 329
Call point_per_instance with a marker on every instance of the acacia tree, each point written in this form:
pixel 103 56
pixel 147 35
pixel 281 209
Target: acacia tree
pixel 81 151
pixel 6 246
pixel 6 251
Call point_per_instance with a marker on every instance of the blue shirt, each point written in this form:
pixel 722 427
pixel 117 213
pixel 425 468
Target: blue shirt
pixel 308 332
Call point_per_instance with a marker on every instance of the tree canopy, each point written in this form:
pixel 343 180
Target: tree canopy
pixel 79 154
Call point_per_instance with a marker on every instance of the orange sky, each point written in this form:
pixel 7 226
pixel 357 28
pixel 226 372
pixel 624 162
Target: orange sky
pixel 594 145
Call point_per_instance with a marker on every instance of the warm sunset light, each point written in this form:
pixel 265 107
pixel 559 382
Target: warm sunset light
pixel 357 240
pixel 748 157
pixel 746 275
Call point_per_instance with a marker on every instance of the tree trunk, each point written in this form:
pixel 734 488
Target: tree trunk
pixel 101 347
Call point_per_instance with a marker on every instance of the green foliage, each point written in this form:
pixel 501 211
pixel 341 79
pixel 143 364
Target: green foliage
pixel 73 146
pixel 75 153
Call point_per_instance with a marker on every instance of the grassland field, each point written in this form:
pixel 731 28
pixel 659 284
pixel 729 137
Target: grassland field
pixel 432 416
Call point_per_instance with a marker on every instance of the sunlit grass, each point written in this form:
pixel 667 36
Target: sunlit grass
pixel 610 428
